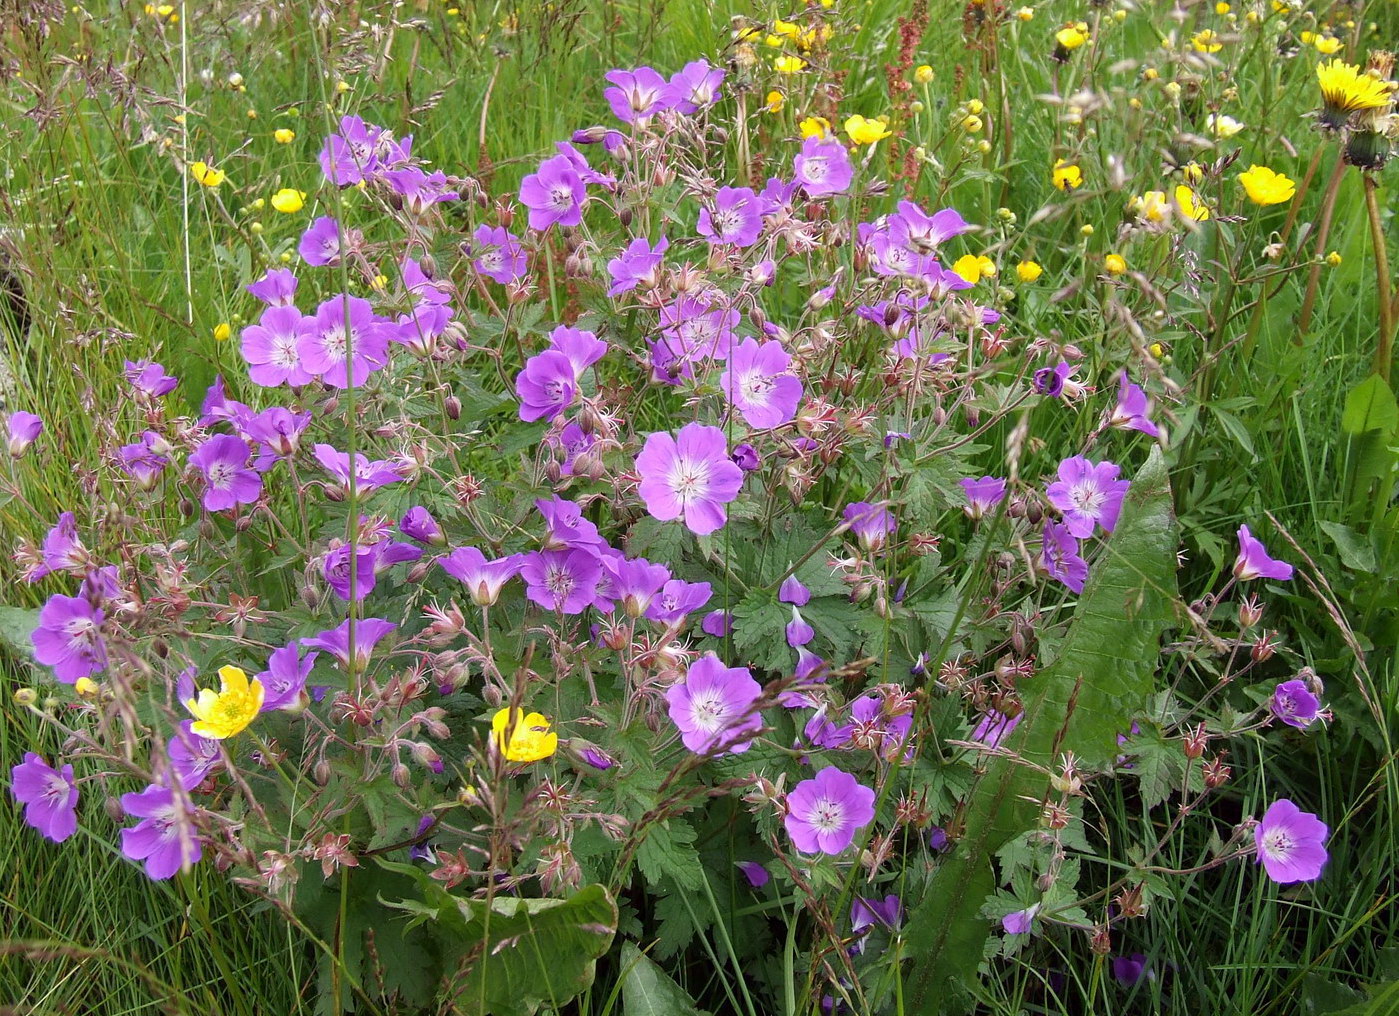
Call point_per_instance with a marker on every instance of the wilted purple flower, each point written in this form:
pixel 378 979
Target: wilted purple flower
pixel 872 524
pixel 142 462
pixel 278 428
pixel 921 233
pixel 759 384
pixel 995 727
pixel 223 459
pixel 546 386
pixel 1020 922
pixel 419 190
pixel 745 456
pixel 1060 556
pixel 1128 970
pixel 271 348
pixel 349 157
pixel 692 88
pixel 419 524
pixel 1132 408
pixel 1290 843
pixel 554 194
pixel 567 525
pixel 164 838
pixel 277 288
pixel 736 217
pixel 343 342
pixel 1089 494
pixel 799 633
pixel 336 641
pixel 1294 704
pixel 500 255
pixel 714 705
pixel 1253 561
pixel 49 796
pixel 191 756
pixel 824 812
pixel 285 677
pixel 718 623
pixel 368 475
pixel 822 732
pixel 483 579
pixel 562 580
pixel 793 591
pixel 983 495
pixel 24 428
pixel 321 243
pixel 866 913
pixel 689 475
pixel 640 264
pixel 635 95
pixel 754 872
pixel 149 377
pixel 582 348
pixel 823 167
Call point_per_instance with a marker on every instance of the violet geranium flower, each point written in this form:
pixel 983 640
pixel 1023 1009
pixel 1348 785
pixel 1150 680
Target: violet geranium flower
pixel 1131 410
pixel 736 217
pixel 419 524
pixel 1021 921
pixel 553 195
pixel 69 638
pixel 62 549
pixel 677 600
pixel 271 348
pixel 1060 557
pixel 693 87
pixel 191 756
pixel 24 429
pixel 983 495
pixel 872 524
pixel 285 677
pixel 562 580
pixel 164 838
pixel 639 264
pixel 499 254
pixel 1290 843
pixel 759 385
pixel 483 578
pixel 142 462
pixel 1088 494
pixel 995 727
pixel 343 342
pixel 714 706
pixel 823 813
pixel 368 474
pixel 1253 561
pixel 336 641
pixel 546 386
pixel 1294 704
pixel 228 479
pixel 49 796
pixel 823 167
pixel 636 95
pixel 150 377
pixel 689 475
pixel 276 289
pixel 321 243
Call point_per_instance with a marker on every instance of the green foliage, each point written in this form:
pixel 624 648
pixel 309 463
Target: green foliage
pixel 647 990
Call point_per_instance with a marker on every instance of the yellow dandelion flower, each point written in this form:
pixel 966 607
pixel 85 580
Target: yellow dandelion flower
pixel 1221 7
pixel 289 200
pixel 1066 176
pixel 1115 264
pixel 527 740
pixel 1190 205
pixel 223 713
pixel 1265 187
pixel 207 174
pixel 865 132
pixel 1028 271
pixel 1345 89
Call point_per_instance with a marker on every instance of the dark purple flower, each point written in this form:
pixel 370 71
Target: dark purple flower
pixel 983 495
pixel 562 580
pixel 191 756
pixel 745 456
pixel 336 641
pixel 419 524
pixel 49 796
pixel 736 217
pixel 635 582
pixel 823 167
pixel 277 288
pixel 793 591
pixel 759 384
pixel 278 428
pixel 597 758
pixel 585 172
pixel 677 600
pixel 693 87
pixel 1061 558
pixel 1291 843
pixel 228 480
pixel 554 194
pixel 24 428
pixel 639 264
pixel 636 95
pixel 754 872
pixel 284 680
pixel 343 342
pixel 343 569
pixel 546 386
pixel 872 524
pixel 368 475
pixel 714 707
pixel 1253 561
pixel 146 376
pixel 322 242
pixel 823 813
pixel 995 727
pixel 1132 409
pixel 499 254
pixel 1294 704
pixel 1128 970
pixel 574 441
pixel 865 913
pixel 1088 494
pixel 689 475
pixel 483 579
pixel 822 732
pixel 165 837
pixel 938 840
pixel 101 585
pixel 718 623
pixel 424 850
pixel 1053 382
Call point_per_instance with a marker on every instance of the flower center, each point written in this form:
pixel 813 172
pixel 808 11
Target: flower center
pixel 827 815
pixel 755 387
pixel 334 342
pixel 708 711
pixel 221 475
pixel 55 789
pixel 559 582
pixel 690 480
pixel 284 351
pixel 1087 498
pixel 561 197
pixel 1277 844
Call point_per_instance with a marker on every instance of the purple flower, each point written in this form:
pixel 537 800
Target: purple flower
pixel 872 524
pixel 1060 556
pixel 276 289
pixel 822 732
pixel 146 376
pixel 1128 970
pixel 873 725
pixel 24 428
pixel 937 839
pixel 349 157
pixel 1089 494
pixel 1294 704
pixel 499 254
pixel 223 459
pixel 1253 561
pixel 546 386
pixel 865 913
pixel 714 707
pixel 718 623
pixel 164 838
pixel 567 526
pixel 1291 843
pixel 285 677
pixel 582 348
pixel 759 384
pixel 639 264
pixel 689 475
pixel 793 591
pixel 1050 381
pixel 736 217
pixel 368 475
pixel 823 813
pixel 343 569
pixel 995 727
pixel 191 756
pixel 1132 408
pixel 635 582
pixel 574 441
pixel 483 579
pixel 983 495
pixel 1020 922
pixel 554 194
pixel 61 549
pixel 799 633
pixel 336 641
pixel 142 462
pixel 419 190
pixel 278 428
pixel 271 348
pixel 419 524
pixel 562 580
pixel 320 244
pixel 343 342
pixel 917 231
pixel 635 95
pixel 745 456
pixel 823 167
pixel 754 872
pixel 677 600
pixel 49 796
pixel 692 88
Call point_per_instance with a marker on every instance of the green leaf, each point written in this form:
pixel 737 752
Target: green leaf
pixel 1357 553
pixel 1370 406
pixel 667 850
pixel 759 633
pixel 647 990
pixel 1100 677
pixel 16 624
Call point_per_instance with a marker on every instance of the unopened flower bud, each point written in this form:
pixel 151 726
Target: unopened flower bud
pixel 113 808
pixel 451 405
pixel 309 596
pixel 26 697
pixel 419 571
pixel 321 772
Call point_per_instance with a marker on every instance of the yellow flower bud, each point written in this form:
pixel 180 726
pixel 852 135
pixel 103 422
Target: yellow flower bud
pixel 1086 229
pixel 1334 259
pixel 284 135
pixel 25 697
pixel 923 74
pixel 1115 264
pixel 975 106
pixel 971 124
pixel 86 687
pixel 222 331
pixel 1028 271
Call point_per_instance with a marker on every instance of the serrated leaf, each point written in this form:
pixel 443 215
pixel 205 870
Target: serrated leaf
pixel 760 631
pixel 667 851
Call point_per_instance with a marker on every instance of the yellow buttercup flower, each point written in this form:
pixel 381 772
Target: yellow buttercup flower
pixel 974 267
pixel 1071 37
pixel 1151 206
pixel 1265 187
pixel 1334 259
pixel 207 174
pixel 86 687
pixel 223 713
pixel 528 739
pixel 1115 264
pixel 788 64
pixel 814 127
pixel 1206 41
pixel 1327 44
pixel 775 101
pixel 1190 204
pixel 1193 172
pixel 971 123
pixel 284 135
pixel 1345 89
pixel 865 132
pixel 1025 14
pixel 289 200
pixel 1028 271
pixel 1066 175
pixel 1222 126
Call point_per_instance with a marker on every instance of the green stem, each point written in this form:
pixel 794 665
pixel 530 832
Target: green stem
pixel 1384 349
